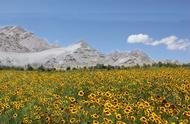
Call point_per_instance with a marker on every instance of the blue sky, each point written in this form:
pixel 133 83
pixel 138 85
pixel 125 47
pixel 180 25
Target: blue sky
pixel 104 24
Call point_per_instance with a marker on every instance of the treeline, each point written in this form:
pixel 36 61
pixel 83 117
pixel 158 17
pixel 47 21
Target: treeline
pixel 159 64
pixel 27 68
pixel 98 66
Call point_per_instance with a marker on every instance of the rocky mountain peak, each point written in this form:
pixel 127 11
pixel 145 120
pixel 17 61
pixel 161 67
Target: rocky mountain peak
pixel 83 44
pixel 17 39
pixel 13 30
pixel 19 47
pixel 137 53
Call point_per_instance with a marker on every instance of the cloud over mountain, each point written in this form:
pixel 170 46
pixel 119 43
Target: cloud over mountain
pixel 171 42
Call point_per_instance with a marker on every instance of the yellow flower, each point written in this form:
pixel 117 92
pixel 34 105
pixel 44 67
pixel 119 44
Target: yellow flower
pixel 25 120
pixel 188 107
pixel 187 113
pixel 107 113
pixel 73 111
pixel 118 116
pixel 63 121
pixel 81 93
pixel 108 94
pixel 108 121
pixel 147 104
pixel 167 105
pixel 72 99
pixel 132 118
pixel 47 119
pixel 15 115
pixel 57 96
pixel 186 98
pixel 95 116
pixel 143 119
pixel 127 109
pixel 162 109
pixel 141 106
pixel 91 96
pixel 72 120
pixel 120 122
pixel 7 106
pixel 95 122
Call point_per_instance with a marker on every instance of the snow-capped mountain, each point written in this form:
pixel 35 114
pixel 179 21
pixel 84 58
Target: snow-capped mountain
pixel 171 62
pixel 76 55
pixel 79 54
pixel 20 48
pixel 131 58
pixel 16 39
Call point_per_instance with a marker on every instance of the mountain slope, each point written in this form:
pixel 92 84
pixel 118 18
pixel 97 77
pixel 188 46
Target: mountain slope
pixel 128 58
pixel 16 39
pixel 79 54
pixel 20 48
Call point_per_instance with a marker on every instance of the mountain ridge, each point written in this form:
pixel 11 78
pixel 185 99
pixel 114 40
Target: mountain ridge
pixel 26 48
pixel 17 39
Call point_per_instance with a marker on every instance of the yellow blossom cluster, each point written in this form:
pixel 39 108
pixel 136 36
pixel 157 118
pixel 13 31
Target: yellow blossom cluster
pixel 130 96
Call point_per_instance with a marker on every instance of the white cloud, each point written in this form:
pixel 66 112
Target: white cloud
pixel 139 38
pixel 171 42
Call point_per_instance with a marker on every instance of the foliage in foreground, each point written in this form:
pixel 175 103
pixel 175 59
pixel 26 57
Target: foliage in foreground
pixel 138 95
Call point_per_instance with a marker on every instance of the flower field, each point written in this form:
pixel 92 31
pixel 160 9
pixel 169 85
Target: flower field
pixel 131 96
